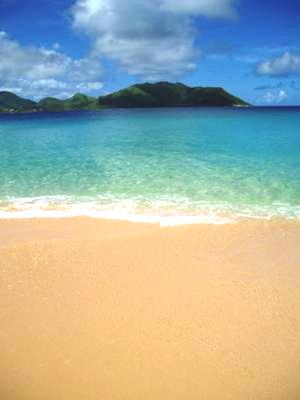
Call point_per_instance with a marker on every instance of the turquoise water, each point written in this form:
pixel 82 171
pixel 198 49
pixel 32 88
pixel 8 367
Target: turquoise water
pixel 165 165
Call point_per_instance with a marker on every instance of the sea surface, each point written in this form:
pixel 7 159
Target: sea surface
pixel 170 166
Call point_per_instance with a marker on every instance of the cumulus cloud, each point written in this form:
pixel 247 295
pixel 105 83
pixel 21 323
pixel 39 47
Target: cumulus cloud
pixel 150 39
pixel 285 65
pixel 207 8
pixel 147 38
pixel 39 88
pixel 39 71
pixel 275 97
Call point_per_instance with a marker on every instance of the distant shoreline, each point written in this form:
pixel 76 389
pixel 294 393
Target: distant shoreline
pixel 150 108
pixel 160 94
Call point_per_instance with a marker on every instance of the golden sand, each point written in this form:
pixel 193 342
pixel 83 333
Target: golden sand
pixel 103 310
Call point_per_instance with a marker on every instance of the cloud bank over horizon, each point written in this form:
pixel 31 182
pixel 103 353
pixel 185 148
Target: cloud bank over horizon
pixel 40 71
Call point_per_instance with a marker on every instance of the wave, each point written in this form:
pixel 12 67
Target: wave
pixel 165 211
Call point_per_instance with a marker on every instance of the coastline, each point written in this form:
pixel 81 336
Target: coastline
pixel 163 212
pixel 111 309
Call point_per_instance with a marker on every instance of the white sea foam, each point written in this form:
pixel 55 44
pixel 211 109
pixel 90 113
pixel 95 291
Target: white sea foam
pixel 163 211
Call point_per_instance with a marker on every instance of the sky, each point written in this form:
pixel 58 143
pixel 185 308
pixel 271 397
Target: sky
pixel 61 47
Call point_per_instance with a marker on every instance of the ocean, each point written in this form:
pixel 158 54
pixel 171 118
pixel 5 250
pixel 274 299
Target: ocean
pixel 168 166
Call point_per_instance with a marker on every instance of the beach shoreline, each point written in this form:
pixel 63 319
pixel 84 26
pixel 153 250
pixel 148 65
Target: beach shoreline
pixel 116 310
pixel 14 230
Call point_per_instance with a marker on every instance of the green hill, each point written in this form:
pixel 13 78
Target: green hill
pixel 161 94
pixel 51 104
pixel 77 102
pixel 165 94
pixel 80 102
pixel 10 101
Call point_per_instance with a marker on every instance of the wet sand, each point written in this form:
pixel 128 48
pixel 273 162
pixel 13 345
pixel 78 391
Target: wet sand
pixel 107 310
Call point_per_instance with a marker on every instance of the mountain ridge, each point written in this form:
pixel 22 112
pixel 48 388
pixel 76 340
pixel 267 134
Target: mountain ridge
pixel 140 95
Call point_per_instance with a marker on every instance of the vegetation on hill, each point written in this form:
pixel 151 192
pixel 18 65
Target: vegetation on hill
pixel 161 94
pixel 10 101
pixel 51 104
pixel 165 94
pixel 81 102
pixel 77 102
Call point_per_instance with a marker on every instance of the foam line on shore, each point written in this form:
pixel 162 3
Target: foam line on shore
pixel 163 211
pixel 112 215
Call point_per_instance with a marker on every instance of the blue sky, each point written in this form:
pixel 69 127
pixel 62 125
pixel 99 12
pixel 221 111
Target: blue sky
pixel 59 47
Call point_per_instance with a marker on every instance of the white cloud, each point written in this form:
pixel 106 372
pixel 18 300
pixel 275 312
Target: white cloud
pixel 207 8
pixel 87 86
pixel 275 97
pixel 29 62
pixel 286 64
pixel 147 38
pixel 38 71
pixel 150 39
pixel 40 88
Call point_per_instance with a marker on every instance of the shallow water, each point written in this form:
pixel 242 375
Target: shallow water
pixel 156 165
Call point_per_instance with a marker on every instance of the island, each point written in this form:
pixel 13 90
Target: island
pixel 160 94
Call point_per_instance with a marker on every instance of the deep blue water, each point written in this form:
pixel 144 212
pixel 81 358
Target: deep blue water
pixel 205 164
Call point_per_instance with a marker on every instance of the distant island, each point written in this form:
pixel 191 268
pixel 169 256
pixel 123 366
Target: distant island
pixel 161 94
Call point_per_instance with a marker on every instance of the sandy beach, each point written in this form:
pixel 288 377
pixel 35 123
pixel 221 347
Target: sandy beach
pixel 110 310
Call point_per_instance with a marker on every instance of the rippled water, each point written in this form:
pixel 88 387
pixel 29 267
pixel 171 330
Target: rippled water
pixel 166 165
